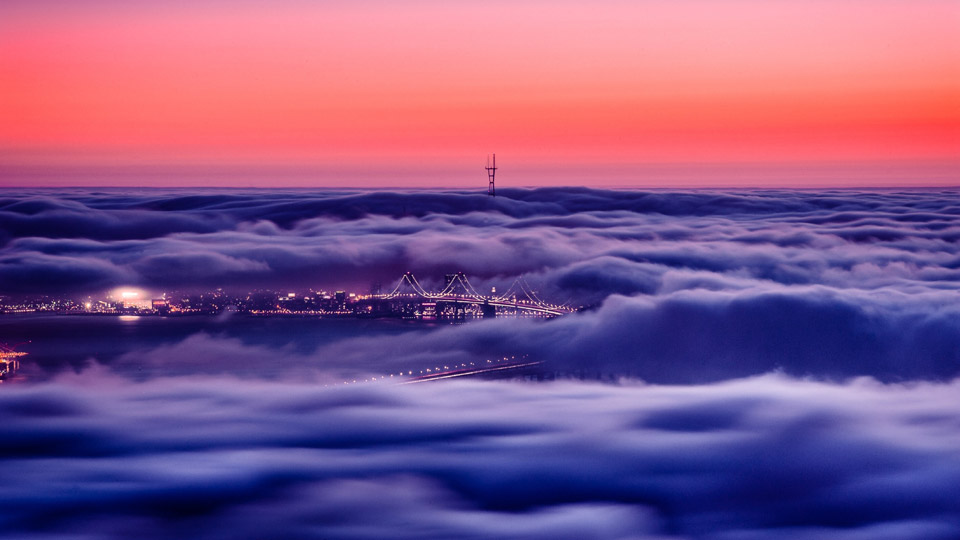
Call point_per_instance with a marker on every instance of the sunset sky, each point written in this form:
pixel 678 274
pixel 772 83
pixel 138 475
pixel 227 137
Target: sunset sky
pixel 378 93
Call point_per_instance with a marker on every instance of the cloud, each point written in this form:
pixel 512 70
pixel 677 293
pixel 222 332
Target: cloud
pixel 765 457
pixel 703 335
pixel 687 286
pixel 41 214
pixel 779 310
pixel 559 236
pixel 41 273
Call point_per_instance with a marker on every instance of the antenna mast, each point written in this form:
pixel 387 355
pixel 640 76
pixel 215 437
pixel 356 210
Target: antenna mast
pixel 491 173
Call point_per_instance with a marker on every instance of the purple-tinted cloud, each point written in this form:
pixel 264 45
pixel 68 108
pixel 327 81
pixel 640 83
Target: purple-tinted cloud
pixel 243 428
pixel 685 286
pixel 768 457
pixel 160 238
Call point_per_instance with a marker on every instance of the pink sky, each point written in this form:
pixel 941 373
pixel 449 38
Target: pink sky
pixel 692 92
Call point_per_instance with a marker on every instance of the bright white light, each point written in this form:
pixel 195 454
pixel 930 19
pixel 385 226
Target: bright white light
pixel 130 296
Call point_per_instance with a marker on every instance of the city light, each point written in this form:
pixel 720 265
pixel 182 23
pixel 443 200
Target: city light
pixel 458 301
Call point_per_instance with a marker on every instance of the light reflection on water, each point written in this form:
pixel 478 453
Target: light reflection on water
pixel 67 343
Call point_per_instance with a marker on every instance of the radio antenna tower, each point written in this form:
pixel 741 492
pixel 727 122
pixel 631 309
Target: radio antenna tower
pixel 491 172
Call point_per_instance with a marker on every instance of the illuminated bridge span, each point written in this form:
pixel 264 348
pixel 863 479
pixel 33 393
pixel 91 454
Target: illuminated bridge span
pixel 519 296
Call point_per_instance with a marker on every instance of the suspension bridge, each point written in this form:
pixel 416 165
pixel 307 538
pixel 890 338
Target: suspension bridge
pixel 518 298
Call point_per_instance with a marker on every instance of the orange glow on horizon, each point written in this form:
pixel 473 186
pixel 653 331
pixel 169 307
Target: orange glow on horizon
pixel 368 84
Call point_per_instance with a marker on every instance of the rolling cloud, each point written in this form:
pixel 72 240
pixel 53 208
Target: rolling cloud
pixel 684 286
pixel 766 457
pixel 89 240
pixel 784 365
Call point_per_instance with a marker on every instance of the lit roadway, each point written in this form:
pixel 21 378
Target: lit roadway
pixel 548 309
pixel 437 373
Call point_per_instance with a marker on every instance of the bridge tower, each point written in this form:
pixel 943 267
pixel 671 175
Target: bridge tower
pixel 491 173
